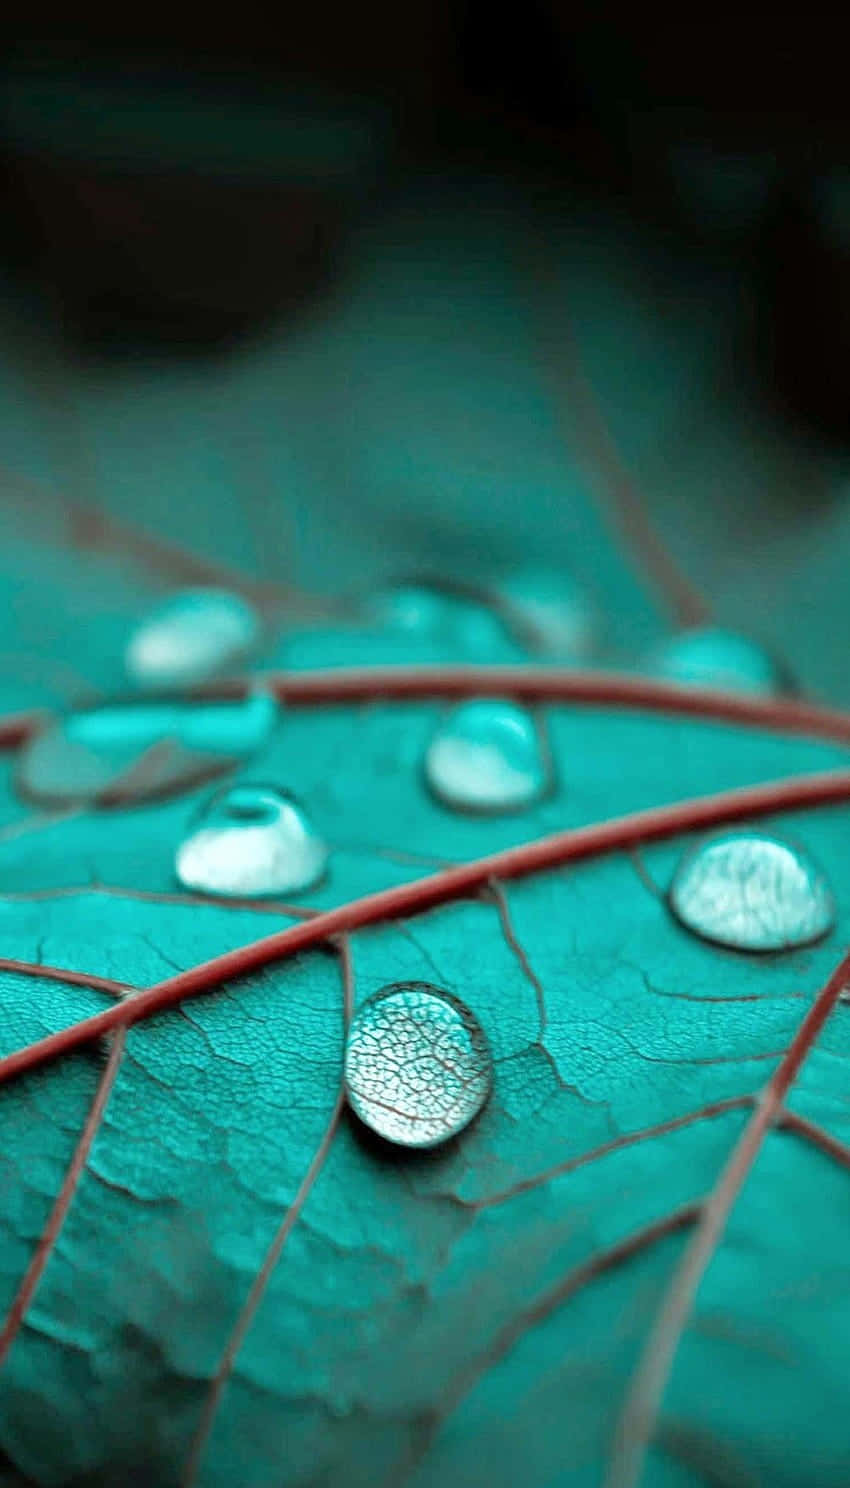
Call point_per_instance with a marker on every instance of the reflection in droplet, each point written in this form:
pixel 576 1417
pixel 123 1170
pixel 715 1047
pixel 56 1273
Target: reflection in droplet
pixel 718 658
pixel 249 841
pixel 192 637
pixel 486 756
pixel 554 612
pixel 131 751
pixel 417 1064
pixel 751 892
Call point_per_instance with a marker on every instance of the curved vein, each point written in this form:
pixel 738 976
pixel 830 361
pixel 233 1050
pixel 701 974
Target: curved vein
pixel 16 728
pixel 643 1401
pixel 440 888
pixel 90 527
pixel 261 1280
pixel 519 953
pixel 544 685
pixel 62 974
pixel 528 683
pixel 616 1144
pixel 539 1310
pixel 63 1201
pixel 156 896
pixel 582 421
pixel 817 1135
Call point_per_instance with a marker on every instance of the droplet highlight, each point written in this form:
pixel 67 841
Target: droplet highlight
pixel 195 635
pixel 552 612
pixel 123 752
pixel 721 659
pixel 487 756
pixel 751 892
pixel 417 1064
pixel 249 841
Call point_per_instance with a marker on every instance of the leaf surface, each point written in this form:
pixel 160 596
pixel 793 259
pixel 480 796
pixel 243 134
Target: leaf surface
pixel 229 1280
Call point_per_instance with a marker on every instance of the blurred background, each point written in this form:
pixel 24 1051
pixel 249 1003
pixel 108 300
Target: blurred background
pixel 536 296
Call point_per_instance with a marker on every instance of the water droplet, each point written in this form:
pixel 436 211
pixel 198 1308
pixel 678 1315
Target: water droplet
pixel 456 621
pixel 192 637
pixel 417 1065
pixel 486 756
pixel 132 751
pixel 552 611
pixel 751 892
pixel 249 841
pixel 718 658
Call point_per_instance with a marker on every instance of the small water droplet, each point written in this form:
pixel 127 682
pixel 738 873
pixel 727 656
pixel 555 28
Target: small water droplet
pixel 721 659
pixel 132 751
pixel 486 756
pixel 751 892
pixel 248 841
pixel 417 1064
pixel 553 611
pixel 192 637
pixel 457 621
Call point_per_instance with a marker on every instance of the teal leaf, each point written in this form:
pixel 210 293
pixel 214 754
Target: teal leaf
pixel 627 1055
pixel 210 1272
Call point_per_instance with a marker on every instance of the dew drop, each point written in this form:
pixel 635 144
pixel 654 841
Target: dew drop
pixel 248 841
pixel 417 1064
pixel 486 756
pixel 122 752
pixel 192 637
pixel 553 612
pixel 721 659
pixel 751 892
pixel 442 617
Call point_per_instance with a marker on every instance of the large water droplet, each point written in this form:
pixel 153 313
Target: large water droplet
pixel 552 611
pixel 193 636
pixel 132 751
pixel 249 841
pixel 718 658
pixel 751 892
pixel 486 756
pixel 417 1065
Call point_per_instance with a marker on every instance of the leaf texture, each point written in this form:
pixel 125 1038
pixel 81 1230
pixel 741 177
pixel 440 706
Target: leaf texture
pixel 210 1273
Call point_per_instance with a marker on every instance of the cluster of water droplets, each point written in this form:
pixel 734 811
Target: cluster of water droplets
pixel 417 1065
pixel 537 609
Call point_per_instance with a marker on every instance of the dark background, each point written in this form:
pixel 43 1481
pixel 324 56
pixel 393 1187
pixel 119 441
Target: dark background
pixel 664 112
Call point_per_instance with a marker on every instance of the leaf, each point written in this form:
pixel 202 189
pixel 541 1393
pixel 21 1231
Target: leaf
pixel 634 1259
